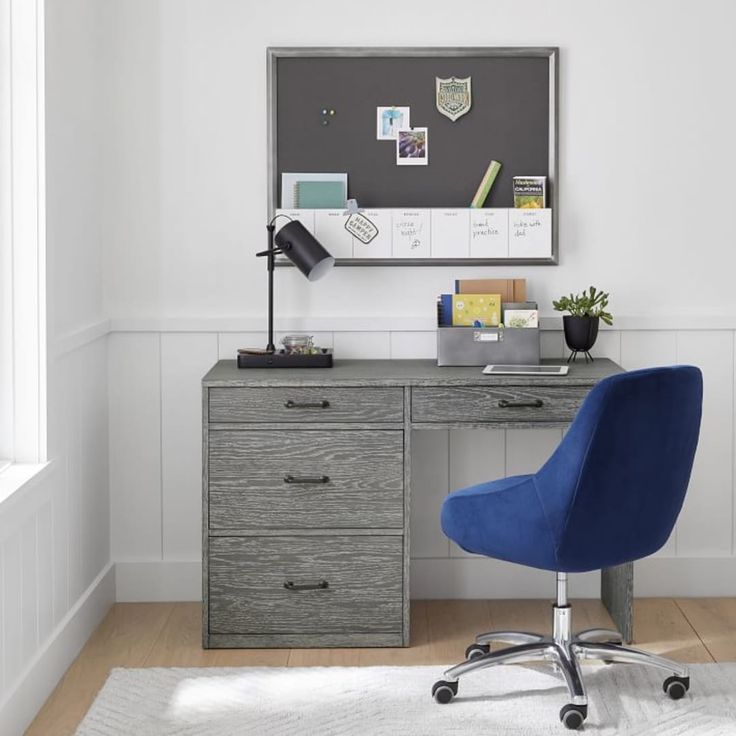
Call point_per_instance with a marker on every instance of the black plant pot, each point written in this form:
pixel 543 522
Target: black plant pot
pixel 580 335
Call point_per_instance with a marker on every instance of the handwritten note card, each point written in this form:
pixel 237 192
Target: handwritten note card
pixel 411 234
pixel 380 246
pixel 450 237
pixel 489 233
pixel 530 233
pixel 329 229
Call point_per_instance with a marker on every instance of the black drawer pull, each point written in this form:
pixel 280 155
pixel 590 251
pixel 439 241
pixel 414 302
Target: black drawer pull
pixel 296 479
pixel 324 404
pixel 535 403
pixel 321 585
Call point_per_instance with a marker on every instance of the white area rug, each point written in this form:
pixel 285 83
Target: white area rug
pixel 396 701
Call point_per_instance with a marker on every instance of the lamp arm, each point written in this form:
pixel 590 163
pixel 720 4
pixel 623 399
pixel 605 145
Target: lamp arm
pixel 276 250
pixel 275 217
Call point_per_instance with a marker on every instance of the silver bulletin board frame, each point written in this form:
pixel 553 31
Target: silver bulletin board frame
pixel 550 53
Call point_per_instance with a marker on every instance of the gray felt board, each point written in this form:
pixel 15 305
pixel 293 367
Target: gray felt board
pixel 509 121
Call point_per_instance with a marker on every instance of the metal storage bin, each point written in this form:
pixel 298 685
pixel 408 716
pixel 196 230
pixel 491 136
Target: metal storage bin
pixel 482 346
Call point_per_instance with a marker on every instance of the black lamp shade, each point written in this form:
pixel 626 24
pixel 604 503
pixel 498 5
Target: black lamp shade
pixel 304 250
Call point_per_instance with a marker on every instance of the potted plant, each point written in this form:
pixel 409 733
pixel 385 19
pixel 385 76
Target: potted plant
pixel 581 323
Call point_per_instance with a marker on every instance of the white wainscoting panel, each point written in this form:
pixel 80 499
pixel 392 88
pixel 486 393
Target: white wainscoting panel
pixel 413 345
pixel 430 469
pixel 56 579
pixel 60 546
pixel 528 449
pixel 12 603
pixel 135 446
pixel 155 461
pixel 608 345
pixel 358 345
pixel 28 593
pixel 228 343
pixel 476 455
pixel 647 348
pixel 705 526
pixel 185 358
pixel 92 551
pixel 45 570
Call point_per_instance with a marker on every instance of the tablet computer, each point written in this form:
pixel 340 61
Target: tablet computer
pixel 526 370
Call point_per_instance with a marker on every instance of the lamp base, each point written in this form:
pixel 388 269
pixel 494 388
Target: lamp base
pixel 282 359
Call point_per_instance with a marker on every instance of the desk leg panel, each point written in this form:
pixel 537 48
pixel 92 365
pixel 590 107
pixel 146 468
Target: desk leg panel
pixel 617 595
pixel 407 511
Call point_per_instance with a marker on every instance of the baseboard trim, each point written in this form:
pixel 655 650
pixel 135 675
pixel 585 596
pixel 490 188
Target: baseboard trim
pixel 462 578
pixel 47 667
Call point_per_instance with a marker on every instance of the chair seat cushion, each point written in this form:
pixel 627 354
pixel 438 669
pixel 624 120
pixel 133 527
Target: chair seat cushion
pixel 503 519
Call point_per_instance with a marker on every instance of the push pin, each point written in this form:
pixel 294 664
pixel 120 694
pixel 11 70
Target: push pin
pixel 327 112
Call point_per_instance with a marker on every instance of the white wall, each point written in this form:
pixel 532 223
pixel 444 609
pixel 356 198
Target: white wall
pixel 56 579
pixel 646 125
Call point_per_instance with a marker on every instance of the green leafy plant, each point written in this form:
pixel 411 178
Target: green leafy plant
pixel 590 303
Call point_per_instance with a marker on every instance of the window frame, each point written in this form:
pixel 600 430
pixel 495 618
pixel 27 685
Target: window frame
pixel 22 234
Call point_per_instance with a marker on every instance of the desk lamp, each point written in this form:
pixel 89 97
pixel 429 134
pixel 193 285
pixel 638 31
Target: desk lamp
pixel 299 245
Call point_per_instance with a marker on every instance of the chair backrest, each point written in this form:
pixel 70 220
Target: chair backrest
pixel 614 487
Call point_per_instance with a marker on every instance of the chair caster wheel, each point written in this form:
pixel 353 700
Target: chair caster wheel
pixel 477 650
pixel 443 692
pixel 573 716
pixel 676 687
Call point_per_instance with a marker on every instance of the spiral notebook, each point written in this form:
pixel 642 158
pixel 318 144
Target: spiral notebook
pixel 319 195
pixel 313 191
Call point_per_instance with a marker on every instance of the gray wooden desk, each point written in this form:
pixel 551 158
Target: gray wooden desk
pixel 306 491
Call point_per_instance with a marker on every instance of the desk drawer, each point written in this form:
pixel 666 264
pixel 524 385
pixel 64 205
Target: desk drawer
pixel 363 577
pixel 306 404
pixel 496 404
pixel 306 479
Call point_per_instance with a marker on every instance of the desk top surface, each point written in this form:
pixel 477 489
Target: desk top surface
pixel 399 373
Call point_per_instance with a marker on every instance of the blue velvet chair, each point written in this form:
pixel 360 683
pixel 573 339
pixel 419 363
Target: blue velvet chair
pixel 610 494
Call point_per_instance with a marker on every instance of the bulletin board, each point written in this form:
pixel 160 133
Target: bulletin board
pixel 512 119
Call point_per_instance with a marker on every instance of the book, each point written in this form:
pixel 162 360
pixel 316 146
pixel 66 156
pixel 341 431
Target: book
pixel 485 185
pixel 511 290
pixel 530 192
pixel 290 180
pixel 444 310
pixel 476 310
pixel 319 195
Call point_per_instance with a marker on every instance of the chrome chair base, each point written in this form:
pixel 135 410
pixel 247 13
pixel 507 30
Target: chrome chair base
pixel 564 651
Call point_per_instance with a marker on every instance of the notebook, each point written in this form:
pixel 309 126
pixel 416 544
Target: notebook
pixel 291 184
pixel 319 195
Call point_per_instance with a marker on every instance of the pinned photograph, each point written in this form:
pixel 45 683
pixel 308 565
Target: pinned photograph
pixel 390 120
pixel 412 147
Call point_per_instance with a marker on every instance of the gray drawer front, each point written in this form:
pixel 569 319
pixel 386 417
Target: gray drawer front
pixel 364 471
pixel 306 404
pixel 247 576
pixel 480 404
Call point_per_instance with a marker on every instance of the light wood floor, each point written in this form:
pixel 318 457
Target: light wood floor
pixel 168 635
